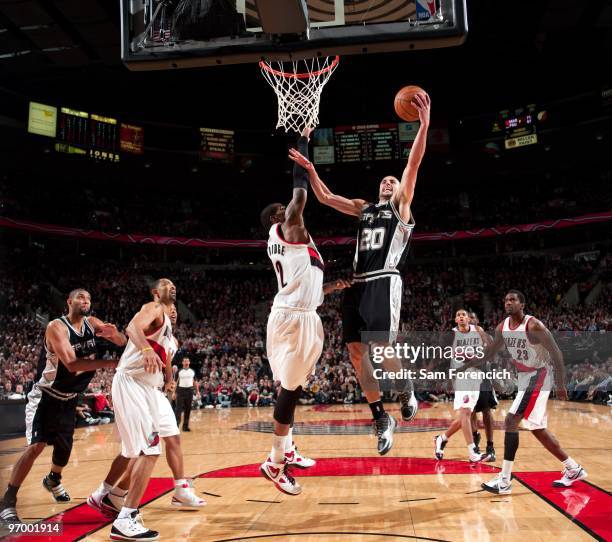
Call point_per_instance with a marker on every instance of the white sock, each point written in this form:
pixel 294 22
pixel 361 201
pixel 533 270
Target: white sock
pixel 444 437
pixel 126 512
pixel 471 448
pixel 289 441
pixel 179 483
pixel 569 463
pixel 277 455
pixel 507 469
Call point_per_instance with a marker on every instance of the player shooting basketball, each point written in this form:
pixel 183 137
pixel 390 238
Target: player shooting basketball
pixel 372 306
pixel 295 333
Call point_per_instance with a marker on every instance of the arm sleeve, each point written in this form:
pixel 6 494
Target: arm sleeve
pixel 300 175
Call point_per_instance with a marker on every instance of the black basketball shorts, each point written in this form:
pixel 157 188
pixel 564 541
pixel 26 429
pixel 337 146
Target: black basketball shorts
pixel 487 398
pixel 52 421
pixel 371 310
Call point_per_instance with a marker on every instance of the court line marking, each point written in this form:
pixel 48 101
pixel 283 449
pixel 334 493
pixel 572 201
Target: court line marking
pixel 559 509
pixel 424 499
pixel 350 533
pixel 211 494
pixel 268 502
pixel 337 503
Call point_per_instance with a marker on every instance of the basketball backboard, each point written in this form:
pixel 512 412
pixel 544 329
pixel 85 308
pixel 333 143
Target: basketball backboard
pixel 166 34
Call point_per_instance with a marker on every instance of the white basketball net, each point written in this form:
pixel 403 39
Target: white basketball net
pixel 298 85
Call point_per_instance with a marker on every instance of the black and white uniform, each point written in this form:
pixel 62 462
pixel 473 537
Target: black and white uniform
pixel 184 395
pixel 51 408
pixel 295 333
pixel 374 302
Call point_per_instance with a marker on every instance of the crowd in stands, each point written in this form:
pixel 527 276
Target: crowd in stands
pixel 223 315
pixel 457 207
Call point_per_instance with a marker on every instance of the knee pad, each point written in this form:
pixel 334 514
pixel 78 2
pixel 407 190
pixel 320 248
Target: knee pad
pixel 285 405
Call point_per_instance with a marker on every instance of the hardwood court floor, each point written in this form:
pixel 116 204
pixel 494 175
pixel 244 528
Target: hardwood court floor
pixel 352 493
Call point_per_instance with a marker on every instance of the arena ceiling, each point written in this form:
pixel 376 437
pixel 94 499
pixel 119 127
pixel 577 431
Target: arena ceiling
pixel 69 50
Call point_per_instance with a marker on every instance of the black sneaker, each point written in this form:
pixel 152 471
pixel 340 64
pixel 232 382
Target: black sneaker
pixel 56 489
pixel 384 428
pixel 8 514
pixel 491 453
pixel 186 429
pixel 408 405
pixel 132 528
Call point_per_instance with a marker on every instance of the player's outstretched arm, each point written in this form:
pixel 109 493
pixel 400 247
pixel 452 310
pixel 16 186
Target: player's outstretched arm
pixel 59 344
pixel 539 331
pixel 149 313
pixel 108 331
pixel 294 215
pixel 405 194
pixel 347 206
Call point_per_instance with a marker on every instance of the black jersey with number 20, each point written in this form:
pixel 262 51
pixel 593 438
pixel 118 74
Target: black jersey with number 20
pixel 382 241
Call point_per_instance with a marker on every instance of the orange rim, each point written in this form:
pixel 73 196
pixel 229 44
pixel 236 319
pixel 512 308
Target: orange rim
pixel 264 66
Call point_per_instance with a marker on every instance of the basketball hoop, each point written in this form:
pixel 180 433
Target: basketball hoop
pixel 298 85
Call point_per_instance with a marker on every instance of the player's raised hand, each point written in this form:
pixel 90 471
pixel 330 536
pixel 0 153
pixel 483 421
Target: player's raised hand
pixel 152 362
pixel 422 103
pixel 301 160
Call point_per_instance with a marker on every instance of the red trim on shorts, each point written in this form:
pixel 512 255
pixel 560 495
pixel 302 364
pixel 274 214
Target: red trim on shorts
pixel 535 392
pixel 159 350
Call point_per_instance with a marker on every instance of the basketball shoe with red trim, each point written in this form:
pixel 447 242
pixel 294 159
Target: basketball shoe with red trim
pixel 280 475
pixel 296 459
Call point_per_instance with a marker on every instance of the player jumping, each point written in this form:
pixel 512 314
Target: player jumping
pixel 295 333
pixel 372 306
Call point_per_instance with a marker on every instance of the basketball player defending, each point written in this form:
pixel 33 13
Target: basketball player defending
pixel 110 495
pixel 533 349
pixel 373 304
pixel 135 384
pixel 467 390
pixel 65 371
pixel 295 333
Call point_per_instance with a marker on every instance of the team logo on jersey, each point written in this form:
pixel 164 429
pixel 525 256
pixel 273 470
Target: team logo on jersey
pixel 466 398
pixel 370 217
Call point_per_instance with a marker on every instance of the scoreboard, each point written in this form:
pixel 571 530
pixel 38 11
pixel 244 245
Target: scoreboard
pixel 364 142
pixel 518 127
pixel 79 132
pixel 216 144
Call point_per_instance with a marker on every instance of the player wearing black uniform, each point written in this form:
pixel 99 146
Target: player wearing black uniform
pixel 373 304
pixel 65 371
pixel 487 400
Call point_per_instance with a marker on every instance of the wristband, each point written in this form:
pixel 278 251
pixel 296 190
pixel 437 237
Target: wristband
pixel 146 349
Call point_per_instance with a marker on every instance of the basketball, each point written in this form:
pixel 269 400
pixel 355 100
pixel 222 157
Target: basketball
pixel 402 103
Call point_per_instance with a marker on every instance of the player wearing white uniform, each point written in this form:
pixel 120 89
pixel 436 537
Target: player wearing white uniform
pixel 295 332
pixel 539 363
pixel 467 340
pixel 138 375
pixel 109 497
